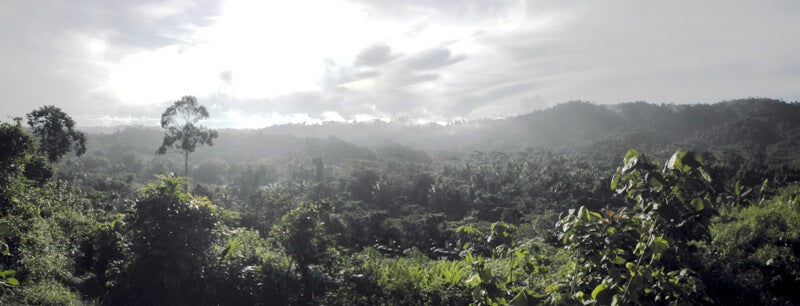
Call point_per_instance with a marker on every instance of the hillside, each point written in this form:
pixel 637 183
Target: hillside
pixel 749 126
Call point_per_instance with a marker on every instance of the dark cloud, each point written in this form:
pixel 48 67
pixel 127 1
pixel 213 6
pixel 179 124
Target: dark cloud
pixel 226 76
pixel 375 55
pixel 433 58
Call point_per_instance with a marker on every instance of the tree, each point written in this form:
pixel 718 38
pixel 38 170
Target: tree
pixel 170 235
pixel 183 135
pixel 15 144
pixel 56 133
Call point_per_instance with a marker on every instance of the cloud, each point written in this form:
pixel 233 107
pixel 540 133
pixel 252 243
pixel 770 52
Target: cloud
pixel 226 76
pixel 262 62
pixel 433 58
pixel 446 12
pixel 468 103
pixel 374 55
pixel 58 52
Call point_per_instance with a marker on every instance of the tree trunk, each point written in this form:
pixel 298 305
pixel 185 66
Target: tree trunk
pixel 186 164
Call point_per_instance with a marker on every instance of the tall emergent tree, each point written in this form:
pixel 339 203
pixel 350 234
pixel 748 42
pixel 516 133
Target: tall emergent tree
pixel 183 135
pixel 56 132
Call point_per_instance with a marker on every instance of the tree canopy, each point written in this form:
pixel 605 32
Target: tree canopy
pixel 56 133
pixel 183 135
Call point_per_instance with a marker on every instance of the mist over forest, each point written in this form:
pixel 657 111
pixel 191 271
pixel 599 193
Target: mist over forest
pixel 749 127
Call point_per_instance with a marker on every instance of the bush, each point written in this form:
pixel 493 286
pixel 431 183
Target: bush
pixel 753 257
pixel 171 232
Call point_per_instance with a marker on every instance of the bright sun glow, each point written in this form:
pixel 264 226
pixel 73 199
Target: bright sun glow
pixel 266 47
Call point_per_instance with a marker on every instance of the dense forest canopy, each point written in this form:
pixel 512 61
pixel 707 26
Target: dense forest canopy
pixel 580 203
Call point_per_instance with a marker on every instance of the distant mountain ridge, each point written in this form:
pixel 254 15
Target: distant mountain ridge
pixel 765 126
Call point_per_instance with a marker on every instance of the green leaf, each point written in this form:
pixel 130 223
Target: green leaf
pixel 704 174
pixel 659 245
pixel 655 183
pixel 698 204
pixel 676 162
pixel 630 165
pixel 473 281
pixel 615 179
pixel 9 273
pixel 552 288
pixel 597 290
pixel 582 213
pixel 12 281
pixel 520 300
pixel 618 260
pixel 631 153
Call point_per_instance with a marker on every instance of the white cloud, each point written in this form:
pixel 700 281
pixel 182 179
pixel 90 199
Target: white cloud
pixel 258 63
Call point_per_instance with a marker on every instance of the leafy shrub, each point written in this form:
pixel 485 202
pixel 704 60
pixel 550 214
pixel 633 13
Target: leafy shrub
pixel 170 234
pixel 753 257
pixel 643 256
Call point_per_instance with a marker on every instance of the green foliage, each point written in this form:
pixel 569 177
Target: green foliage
pixel 249 271
pixel 753 257
pixel 15 145
pixel 47 292
pixel 38 169
pixel 56 133
pixel 46 226
pixel 170 234
pixel 7 277
pixel 322 221
pixel 514 271
pixel 265 208
pixel 183 135
pixel 303 235
pixel 414 279
pixel 644 255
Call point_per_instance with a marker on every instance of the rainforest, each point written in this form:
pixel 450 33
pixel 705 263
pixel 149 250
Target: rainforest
pixel 575 204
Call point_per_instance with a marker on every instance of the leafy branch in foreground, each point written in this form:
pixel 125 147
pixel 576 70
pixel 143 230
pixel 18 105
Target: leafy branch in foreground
pixel 645 255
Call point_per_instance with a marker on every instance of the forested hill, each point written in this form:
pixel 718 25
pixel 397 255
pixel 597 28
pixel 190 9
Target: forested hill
pixel 750 126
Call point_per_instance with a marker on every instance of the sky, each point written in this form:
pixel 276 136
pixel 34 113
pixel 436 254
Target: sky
pixel 260 63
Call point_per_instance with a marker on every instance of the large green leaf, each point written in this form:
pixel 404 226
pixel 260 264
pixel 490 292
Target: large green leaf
pixel 631 153
pixel 615 179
